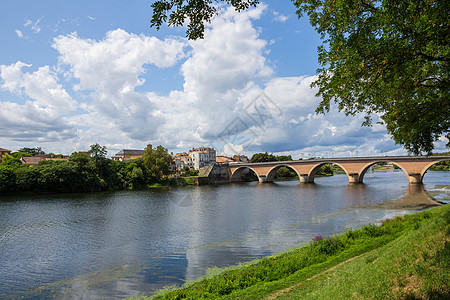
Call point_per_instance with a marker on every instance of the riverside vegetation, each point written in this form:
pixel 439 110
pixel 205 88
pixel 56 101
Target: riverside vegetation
pixel 85 173
pixel 403 258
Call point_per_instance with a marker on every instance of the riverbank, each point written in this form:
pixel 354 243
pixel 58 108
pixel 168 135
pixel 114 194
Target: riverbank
pixel 405 257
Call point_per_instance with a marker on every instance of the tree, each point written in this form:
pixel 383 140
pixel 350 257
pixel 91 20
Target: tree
pixel 175 12
pixel 284 158
pixel 98 152
pixel 386 57
pixel 156 161
pixel 32 151
pixel 263 157
pixel 11 160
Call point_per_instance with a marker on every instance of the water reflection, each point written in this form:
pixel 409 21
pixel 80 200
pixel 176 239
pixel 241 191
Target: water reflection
pixel 115 245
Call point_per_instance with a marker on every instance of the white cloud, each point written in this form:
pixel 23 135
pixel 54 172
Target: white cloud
pixel 41 86
pixel 34 25
pixel 115 63
pixel 43 115
pixel 112 68
pixel 12 76
pixel 279 17
pixel 19 34
pixel 221 67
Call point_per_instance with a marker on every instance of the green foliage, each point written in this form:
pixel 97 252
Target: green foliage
pixel 10 160
pixel 156 161
pixel 325 170
pixel 132 173
pixel 262 157
pixel 98 152
pixel 82 173
pixel 32 151
pixel 266 157
pixel 195 12
pixel 20 154
pixel 285 172
pixel 7 178
pixel 388 57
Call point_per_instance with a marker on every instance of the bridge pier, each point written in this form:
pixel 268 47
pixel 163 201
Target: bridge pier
pixel 262 178
pixel 304 178
pixel 415 178
pixel 353 178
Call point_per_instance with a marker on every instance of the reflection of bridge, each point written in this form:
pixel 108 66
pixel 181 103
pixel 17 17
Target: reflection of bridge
pixel 355 167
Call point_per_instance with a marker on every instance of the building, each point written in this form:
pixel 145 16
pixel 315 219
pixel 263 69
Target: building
pixel 240 158
pixel 203 156
pixel 235 159
pixel 4 152
pixel 183 160
pixel 35 160
pixel 127 154
pixel 221 159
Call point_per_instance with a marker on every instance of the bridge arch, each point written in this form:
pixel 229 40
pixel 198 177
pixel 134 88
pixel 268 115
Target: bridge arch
pixel 313 171
pixel 365 168
pixel 271 174
pixel 425 169
pixel 237 174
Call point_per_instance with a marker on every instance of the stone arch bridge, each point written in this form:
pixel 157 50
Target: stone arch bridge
pixel 414 167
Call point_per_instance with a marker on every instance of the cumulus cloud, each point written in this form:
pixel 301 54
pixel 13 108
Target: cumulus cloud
pixel 114 64
pixel 112 68
pixel 41 86
pixel 12 76
pixel 221 67
pixel 42 116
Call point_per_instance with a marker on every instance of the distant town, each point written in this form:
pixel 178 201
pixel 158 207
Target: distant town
pixel 195 158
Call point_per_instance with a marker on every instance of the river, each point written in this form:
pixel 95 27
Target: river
pixel 121 244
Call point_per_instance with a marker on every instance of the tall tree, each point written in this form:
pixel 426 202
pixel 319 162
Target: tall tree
pixel 157 161
pixel 387 57
pixel 98 152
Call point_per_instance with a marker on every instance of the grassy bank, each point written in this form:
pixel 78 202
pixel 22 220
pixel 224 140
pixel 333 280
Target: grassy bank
pixel 404 258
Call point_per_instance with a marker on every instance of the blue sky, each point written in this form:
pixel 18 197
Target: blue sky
pixel 75 73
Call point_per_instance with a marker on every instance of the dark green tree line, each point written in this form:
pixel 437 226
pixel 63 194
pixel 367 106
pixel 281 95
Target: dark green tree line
pixel 82 173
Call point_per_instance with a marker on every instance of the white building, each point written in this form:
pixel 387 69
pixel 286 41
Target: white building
pixel 183 160
pixel 203 156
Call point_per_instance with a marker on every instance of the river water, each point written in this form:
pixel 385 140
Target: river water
pixel 128 243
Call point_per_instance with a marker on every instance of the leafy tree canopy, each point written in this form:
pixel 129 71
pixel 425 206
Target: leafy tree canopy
pixel 157 161
pixel 32 151
pixel 197 12
pixel 387 57
pixel 266 157
pixel 98 152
